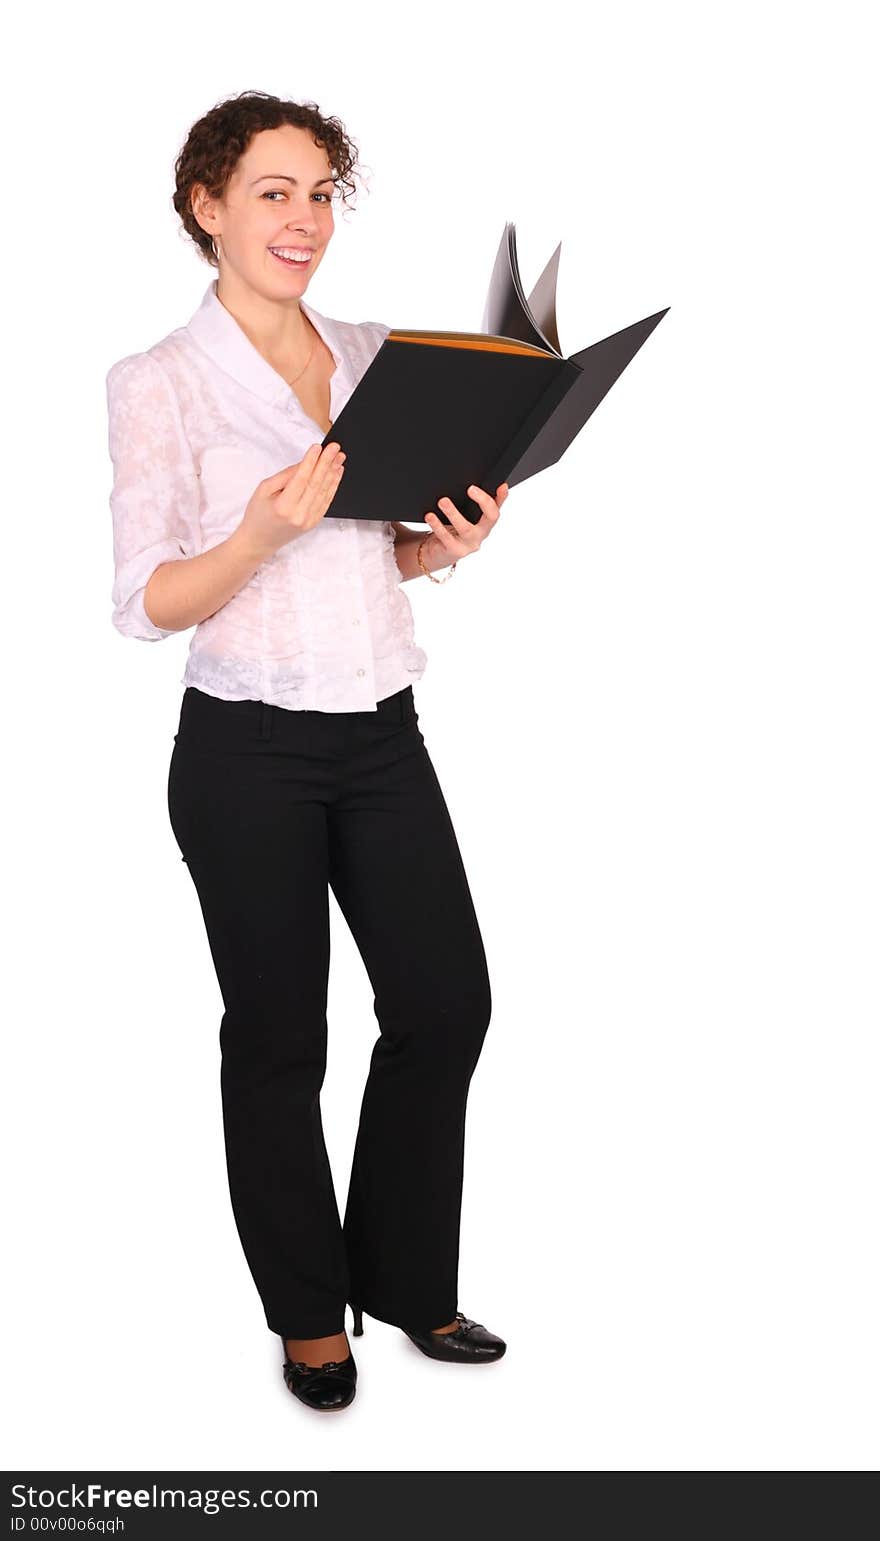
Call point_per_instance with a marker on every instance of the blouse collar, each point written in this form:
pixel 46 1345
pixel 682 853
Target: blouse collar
pixel 218 334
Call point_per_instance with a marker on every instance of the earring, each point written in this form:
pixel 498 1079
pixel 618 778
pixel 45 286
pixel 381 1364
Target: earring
pixel 214 249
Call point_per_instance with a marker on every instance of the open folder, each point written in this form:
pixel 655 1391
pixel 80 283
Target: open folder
pixel 438 411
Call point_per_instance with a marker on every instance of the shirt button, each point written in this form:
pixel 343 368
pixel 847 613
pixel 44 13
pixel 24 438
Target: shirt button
pixel 355 623
pixel 360 672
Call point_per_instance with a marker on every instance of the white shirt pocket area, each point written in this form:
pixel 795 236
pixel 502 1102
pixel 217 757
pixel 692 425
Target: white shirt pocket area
pixel 155 497
pixel 230 475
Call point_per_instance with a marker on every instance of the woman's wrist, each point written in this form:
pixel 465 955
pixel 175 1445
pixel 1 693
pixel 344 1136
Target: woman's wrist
pixel 406 548
pixel 434 554
pixel 429 564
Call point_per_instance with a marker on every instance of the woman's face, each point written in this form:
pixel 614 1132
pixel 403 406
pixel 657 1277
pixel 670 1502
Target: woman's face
pixel 280 196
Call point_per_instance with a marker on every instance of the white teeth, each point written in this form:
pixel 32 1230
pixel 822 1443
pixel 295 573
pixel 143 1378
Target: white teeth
pixel 296 253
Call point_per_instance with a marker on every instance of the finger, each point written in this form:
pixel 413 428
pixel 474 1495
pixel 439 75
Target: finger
pixel 302 492
pixel 321 490
pixel 487 504
pixel 460 525
pixel 325 463
pixel 323 472
pixel 281 478
pixel 486 501
pixel 322 487
pixel 288 489
pixel 448 536
pixel 318 468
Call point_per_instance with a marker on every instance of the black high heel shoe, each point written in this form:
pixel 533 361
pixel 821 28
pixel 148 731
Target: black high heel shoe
pixel 469 1343
pixel 328 1388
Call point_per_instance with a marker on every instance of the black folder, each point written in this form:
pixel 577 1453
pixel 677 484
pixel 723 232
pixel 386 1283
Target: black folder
pixel 438 411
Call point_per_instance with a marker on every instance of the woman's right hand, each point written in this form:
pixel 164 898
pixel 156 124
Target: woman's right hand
pixel 286 505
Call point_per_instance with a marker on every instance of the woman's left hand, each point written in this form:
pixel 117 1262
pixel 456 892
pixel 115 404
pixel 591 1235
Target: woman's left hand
pixel 462 538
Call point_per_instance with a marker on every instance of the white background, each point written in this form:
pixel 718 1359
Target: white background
pixel 651 700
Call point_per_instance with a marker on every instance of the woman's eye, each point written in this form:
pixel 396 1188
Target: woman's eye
pixel 272 190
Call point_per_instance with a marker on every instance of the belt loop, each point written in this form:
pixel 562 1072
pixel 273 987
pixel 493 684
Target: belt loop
pixel 266 720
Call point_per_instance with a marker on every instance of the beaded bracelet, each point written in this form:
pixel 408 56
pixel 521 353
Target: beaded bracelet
pixel 425 569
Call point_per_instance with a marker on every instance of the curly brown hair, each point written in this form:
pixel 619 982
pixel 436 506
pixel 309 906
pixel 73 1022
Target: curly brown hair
pixel 215 144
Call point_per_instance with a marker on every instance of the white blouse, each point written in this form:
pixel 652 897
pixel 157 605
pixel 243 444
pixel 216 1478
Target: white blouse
pixel 195 422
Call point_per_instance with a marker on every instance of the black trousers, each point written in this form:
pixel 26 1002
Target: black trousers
pixel 270 809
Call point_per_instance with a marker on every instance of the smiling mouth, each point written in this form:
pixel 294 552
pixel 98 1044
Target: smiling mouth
pixel 292 262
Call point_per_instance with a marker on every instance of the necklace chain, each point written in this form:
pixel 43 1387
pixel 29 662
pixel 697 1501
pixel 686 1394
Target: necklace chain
pixel 305 366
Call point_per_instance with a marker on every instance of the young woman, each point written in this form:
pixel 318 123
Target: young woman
pixel 298 764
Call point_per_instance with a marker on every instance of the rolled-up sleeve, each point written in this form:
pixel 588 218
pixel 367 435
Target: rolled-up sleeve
pixel 155 498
